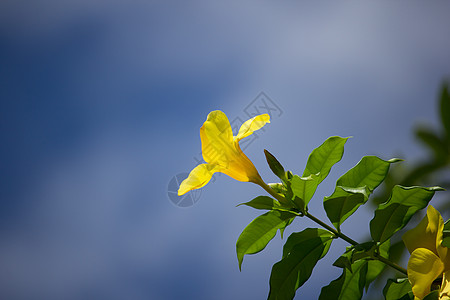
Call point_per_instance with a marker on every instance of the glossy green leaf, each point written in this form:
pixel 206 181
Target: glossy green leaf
pixel 359 181
pixel 300 255
pixel 394 214
pixel 262 202
pixel 445 110
pixel 303 188
pixel 350 285
pixel 286 224
pixel 370 172
pixel 297 238
pixel 260 232
pixel 343 203
pixel 398 289
pixel 322 159
pixel 275 165
pixel 319 164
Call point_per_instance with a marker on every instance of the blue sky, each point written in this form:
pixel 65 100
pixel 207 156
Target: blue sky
pixel 102 102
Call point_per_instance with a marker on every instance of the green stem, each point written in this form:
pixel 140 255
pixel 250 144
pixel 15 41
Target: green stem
pixel 283 200
pixel 268 189
pixel 390 263
pixel 336 233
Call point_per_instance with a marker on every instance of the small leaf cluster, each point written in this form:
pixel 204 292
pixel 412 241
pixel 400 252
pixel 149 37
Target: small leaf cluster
pixel 361 263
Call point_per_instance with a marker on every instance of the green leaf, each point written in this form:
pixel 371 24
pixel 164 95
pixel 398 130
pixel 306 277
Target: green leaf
pixel 260 232
pixel 394 214
pixel 349 285
pixel 345 260
pixel 370 172
pixel 286 224
pixel 262 202
pixel 359 181
pixel 275 165
pixel 300 254
pixel 265 202
pixel 324 157
pixel 398 289
pixel 298 238
pixel 445 110
pixel 446 235
pixel 317 168
pixel 303 188
pixel 278 188
pixel 434 142
pixel 375 267
pixel 343 203
pixel 434 295
pixel 365 251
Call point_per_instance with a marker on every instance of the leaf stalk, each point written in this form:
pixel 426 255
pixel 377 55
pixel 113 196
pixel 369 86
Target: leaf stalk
pixel 339 234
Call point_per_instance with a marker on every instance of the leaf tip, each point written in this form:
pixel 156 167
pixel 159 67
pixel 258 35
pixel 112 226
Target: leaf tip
pixel 240 264
pixel 275 165
pixel 395 160
pixel 436 188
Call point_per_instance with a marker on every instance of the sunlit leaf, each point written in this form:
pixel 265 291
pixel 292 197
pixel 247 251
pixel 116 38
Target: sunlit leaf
pixel 278 188
pixel 303 188
pixel 286 224
pixel 370 172
pixel 398 289
pixel 343 203
pixel 275 165
pixel 354 187
pixel 394 214
pixel 320 162
pixel 324 157
pixel 262 202
pixel 260 232
pixel 300 255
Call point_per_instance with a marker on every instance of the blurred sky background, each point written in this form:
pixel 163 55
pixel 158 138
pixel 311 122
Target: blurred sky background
pixel 101 105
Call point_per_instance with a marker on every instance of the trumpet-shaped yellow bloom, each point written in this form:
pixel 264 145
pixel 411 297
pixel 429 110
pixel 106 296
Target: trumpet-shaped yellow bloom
pixel 221 151
pixel 429 260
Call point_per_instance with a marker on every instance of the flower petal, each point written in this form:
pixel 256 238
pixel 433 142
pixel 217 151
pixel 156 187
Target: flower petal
pixel 217 139
pixel 423 268
pixel 198 178
pixel 241 169
pixel 252 125
pixel 425 235
pixel 443 251
pixel 445 286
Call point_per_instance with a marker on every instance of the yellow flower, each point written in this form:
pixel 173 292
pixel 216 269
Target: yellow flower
pixel 221 151
pixel 429 260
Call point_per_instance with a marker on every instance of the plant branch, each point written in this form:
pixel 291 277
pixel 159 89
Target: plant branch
pixel 284 201
pixel 328 227
pixel 390 263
